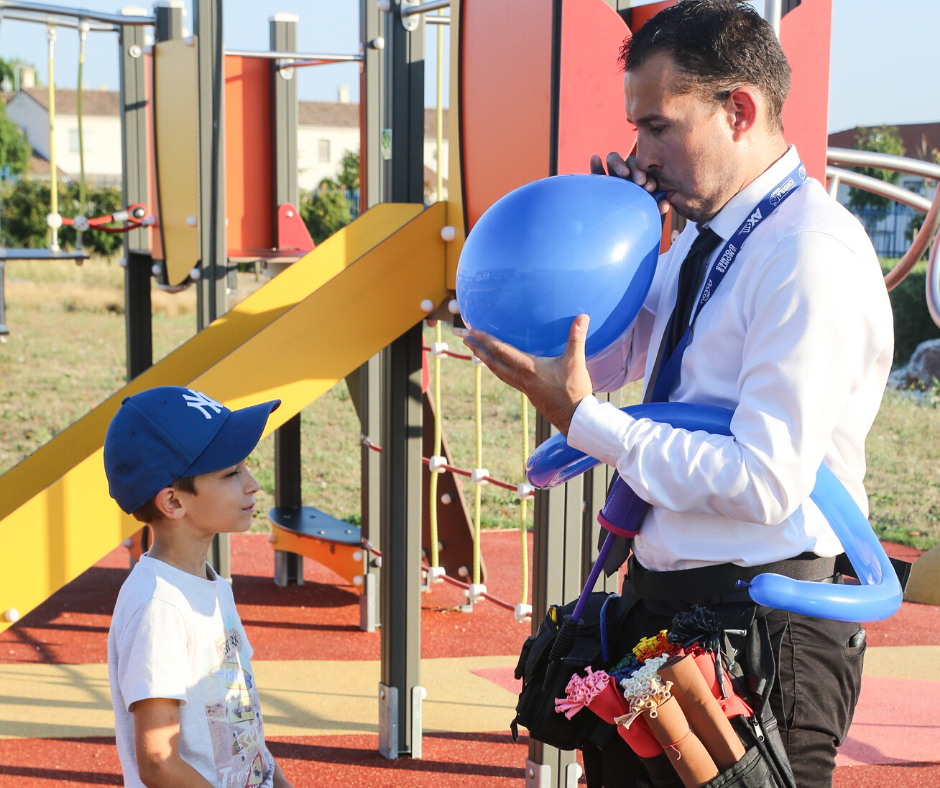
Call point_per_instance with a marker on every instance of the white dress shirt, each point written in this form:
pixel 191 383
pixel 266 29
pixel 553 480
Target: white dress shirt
pixel 798 341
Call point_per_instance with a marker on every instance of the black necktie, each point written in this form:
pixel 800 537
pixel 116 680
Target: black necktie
pixel 690 279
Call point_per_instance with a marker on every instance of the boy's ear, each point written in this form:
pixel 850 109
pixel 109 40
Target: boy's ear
pixel 169 503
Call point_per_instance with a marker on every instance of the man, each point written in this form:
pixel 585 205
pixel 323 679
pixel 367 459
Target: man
pixel 795 336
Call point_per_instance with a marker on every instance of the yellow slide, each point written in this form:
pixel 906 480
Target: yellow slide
pixel 291 340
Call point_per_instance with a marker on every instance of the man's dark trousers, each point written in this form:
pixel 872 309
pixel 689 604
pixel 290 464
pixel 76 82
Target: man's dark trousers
pixel 819 673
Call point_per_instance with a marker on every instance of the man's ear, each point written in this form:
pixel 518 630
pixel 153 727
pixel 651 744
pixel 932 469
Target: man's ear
pixel 169 503
pixel 743 106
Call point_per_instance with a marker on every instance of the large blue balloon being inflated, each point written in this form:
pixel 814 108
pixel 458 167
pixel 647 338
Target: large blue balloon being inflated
pixel 554 249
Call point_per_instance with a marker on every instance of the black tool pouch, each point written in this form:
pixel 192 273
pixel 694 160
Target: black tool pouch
pixel 548 661
pixel 765 763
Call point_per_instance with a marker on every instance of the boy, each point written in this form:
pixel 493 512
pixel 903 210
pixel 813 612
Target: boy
pixel 186 706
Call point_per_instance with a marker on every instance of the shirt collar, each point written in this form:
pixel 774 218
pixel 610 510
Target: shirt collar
pixel 739 207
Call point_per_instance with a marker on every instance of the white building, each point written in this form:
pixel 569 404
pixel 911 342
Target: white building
pixel 101 130
pixel 326 130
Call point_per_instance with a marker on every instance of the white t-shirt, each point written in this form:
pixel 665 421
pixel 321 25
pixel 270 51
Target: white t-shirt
pixel 178 636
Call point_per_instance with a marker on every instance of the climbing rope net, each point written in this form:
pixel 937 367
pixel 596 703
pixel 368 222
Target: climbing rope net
pixel 479 476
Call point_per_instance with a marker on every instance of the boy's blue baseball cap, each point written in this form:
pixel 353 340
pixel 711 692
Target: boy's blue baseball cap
pixel 168 432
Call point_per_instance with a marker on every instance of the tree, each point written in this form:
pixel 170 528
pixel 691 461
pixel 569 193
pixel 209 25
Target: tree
pixel 14 149
pixel 880 139
pixel 329 208
pixel 326 210
pixel 349 171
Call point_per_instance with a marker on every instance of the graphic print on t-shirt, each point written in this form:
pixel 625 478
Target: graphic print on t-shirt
pixel 235 719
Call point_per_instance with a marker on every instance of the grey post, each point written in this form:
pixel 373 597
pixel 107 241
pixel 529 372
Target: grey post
pixel 365 384
pixel 288 567
pixel 560 520
pixel 210 288
pixel 138 315
pixel 401 175
pixel 3 305
pixel 211 285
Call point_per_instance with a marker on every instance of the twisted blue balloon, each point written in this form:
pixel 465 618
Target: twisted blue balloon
pixel 879 595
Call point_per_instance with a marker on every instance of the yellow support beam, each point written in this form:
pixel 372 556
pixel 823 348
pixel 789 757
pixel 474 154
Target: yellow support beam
pixel 292 340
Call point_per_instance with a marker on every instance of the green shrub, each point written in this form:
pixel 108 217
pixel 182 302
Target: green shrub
pixel 27 203
pixel 912 321
pixel 326 210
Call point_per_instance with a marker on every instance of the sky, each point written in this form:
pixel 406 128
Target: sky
pixel 883 63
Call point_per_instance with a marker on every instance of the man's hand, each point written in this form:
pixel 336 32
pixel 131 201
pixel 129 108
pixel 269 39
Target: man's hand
pixel 629 170
pixel 555 386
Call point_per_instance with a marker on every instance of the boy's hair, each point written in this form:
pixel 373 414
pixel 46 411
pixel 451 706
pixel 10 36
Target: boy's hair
pixel 716 45
pixel 149 513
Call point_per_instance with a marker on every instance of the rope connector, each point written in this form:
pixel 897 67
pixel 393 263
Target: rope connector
pixel 478 475
pixel 522 613
pixel 80 223
pixel 525 491
pixel 54 220
pixel 439 350
pixel 436 464
pixel 477 361
pixel 436 574
pixel 475 592
pixel 365 440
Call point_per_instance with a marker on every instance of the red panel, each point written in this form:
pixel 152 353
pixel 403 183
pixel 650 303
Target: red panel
pixel 641 15
pixel 591 117
pixel 505 101
pixel 292 233
pixel 805 35
pixel 248 153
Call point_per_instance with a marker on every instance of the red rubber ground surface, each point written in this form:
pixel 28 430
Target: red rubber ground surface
pixel 320 621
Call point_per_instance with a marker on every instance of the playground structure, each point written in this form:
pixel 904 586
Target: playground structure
pixel 219 178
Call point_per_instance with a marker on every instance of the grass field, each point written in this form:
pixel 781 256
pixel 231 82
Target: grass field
pixel 65 354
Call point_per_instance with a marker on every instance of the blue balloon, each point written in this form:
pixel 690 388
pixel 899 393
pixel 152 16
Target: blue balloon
pixel 554 249
pixel 879 595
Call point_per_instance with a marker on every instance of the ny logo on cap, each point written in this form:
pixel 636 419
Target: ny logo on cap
pixel 200 401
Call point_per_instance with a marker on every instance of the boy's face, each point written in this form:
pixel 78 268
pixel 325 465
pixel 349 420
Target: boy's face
pixel 224 501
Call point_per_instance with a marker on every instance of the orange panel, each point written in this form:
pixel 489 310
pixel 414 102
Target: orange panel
pixel 805 35
pixel 248 153
pixel 591 116
pixel 505 98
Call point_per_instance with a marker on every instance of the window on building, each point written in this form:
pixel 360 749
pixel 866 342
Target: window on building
pixel 73 140
pixel 323 151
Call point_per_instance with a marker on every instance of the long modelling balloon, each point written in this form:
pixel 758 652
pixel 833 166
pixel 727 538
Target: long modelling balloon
pixel 879 595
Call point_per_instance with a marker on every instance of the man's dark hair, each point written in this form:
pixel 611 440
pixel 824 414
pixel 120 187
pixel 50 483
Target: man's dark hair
pixel 717 45
pixel 149 513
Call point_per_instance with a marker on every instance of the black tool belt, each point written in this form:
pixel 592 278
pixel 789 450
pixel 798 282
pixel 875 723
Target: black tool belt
pixel 708 582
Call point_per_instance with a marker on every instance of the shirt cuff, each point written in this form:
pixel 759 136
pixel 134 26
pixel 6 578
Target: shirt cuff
pixel 599 429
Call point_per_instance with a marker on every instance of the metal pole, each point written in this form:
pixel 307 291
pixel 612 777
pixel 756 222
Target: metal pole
pixel 773 13
pixel 433 5
pixel 282 31
pixel 368 379
pixel 46 10
pixel 401 175
pixel 211 286
pixel 138 326
pixel 559 517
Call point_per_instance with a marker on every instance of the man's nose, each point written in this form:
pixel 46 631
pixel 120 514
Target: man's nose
pixel 646 156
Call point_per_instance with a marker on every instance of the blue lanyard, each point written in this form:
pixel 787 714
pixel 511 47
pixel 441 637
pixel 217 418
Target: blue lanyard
pixel 669 369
